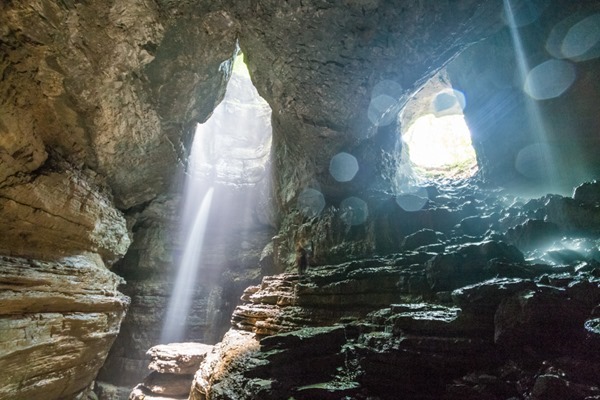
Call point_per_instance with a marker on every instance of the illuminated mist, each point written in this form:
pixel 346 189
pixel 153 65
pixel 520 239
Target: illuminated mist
pixel 230 151
pixel 535 160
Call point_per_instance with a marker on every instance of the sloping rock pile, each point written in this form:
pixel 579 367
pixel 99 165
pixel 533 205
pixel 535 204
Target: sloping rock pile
pixel 473 317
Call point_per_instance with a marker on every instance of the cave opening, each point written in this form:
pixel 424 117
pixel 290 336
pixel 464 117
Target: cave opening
pixel 436 139
pixel 226 174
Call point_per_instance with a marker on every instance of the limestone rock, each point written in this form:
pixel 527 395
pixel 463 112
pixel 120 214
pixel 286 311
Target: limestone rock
pixel 59 214
pixel 466 264
pixel 588 192
pixel 88 87
pixel 304 75
pixel 544 319
pixel 420 238
pixel 57 323
pixel 141 393
pixel 553 387
pixel 177 358
pixel 217 373
pixel 168 384
pixel 573 216
pixel 532 234
pixel 173 367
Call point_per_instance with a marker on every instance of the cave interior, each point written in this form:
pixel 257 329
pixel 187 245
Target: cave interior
pixel 316 199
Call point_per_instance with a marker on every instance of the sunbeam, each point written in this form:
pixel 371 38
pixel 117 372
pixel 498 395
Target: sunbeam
pixel 534 161
pixel 228 164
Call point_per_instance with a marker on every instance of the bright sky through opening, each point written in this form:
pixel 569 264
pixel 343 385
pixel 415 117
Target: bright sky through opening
pixel 441 144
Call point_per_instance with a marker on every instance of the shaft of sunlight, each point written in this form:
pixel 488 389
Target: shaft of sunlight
pixel 534 161
pixel 227 165
pixel 181 298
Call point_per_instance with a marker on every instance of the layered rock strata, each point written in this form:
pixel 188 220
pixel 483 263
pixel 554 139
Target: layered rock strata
pixel 97 105
pixel 61 211
pixel 57 322
pixel 422 350
pixel 477 319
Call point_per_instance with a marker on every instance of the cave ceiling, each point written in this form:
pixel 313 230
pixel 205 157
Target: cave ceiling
pixel 116 87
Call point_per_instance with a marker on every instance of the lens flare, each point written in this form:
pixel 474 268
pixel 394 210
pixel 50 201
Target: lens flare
pixel 354 211
pixel 549 79
pixel 447 102
pixel 531 160
pixel 381 110
pixel 582 40
pixel 311 202
pixel 343 167
pixel 412 198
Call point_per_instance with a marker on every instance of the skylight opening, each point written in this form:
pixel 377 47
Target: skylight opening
pixel 440 146
pixel 435 135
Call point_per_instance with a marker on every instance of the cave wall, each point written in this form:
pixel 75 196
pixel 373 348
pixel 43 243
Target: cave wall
pixel 335 74
pixel 97 104
pixel 509 128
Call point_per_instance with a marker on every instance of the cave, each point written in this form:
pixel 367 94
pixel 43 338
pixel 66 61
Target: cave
pixel 224 200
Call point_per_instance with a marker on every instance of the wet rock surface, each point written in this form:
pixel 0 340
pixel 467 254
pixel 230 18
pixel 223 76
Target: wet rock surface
pixel 481 319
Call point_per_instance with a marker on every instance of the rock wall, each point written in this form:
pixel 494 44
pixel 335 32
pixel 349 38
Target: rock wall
pixel 337 74
pixel 57 322
pixel 459 316
pixel 97 104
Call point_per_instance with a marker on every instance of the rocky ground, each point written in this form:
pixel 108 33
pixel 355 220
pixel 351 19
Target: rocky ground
pixel 501 305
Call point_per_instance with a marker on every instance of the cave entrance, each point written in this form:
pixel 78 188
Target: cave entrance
pixel 435 135
pixel 227 173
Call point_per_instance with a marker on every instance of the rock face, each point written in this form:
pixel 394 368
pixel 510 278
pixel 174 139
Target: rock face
pixel 57 322
pixel 478 320
pixel 61 211
pixel 94 87
pixel 98 103
pixel 419 349
pixel 306 76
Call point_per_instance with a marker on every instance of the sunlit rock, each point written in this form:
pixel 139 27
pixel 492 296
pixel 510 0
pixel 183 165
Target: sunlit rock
pixel 177 358
pixel 588 192
pixel 173 366
pixel 420 238
pixel 57 322
pixel 533 233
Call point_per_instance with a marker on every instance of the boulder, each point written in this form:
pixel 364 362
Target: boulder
pixel 588 192
pixel 532 234
pixel 420 238
pixel 465 264
pixel 178 358
pixel 544 319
